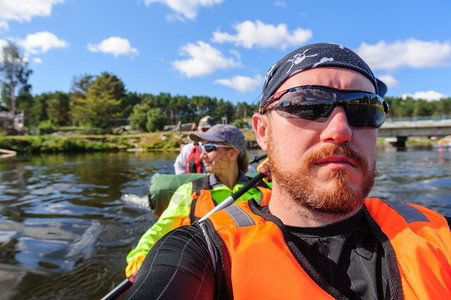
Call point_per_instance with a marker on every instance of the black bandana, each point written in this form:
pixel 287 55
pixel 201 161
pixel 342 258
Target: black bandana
pixel 312 56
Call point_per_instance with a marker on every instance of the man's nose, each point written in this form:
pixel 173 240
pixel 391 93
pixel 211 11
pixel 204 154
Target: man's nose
pixel 337 127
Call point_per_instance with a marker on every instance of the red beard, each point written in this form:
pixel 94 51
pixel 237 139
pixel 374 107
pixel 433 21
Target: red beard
pixel 298 185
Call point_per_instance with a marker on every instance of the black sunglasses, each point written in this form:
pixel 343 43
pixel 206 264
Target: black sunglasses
pixel 208 147
pixel 316 103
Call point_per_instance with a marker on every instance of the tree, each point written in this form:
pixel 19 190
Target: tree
pixel 15 72
pixel 130 100
pixel 39 111
pixel 138 118
pixel 58 109
pixel 155 120
pixel 224 109
pixel 78 106
pixel 101 102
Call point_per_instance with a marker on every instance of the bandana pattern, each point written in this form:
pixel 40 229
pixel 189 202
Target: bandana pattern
pixel 313 56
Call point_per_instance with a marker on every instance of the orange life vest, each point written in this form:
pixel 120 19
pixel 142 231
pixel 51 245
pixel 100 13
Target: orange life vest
pixel 204 203
pixel 259 264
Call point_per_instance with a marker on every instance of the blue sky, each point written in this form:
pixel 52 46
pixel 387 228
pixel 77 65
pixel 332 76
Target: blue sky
pixel 223 48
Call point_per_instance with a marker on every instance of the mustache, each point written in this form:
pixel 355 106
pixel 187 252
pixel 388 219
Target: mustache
pixel 341 149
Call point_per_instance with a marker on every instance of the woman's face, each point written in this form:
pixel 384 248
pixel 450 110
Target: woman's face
pixel 217 160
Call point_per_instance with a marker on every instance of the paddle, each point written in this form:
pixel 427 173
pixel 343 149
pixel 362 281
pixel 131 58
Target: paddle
pixel 125 285
pixel 257 158
pixel 119 290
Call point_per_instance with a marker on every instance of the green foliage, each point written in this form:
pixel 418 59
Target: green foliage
pixel 138 118
pixel 25 103
pixel 39 110
pixel 54 144
pixel 15 71
pixel 155 120
pixel 46 125
pixel 410 108
pixel 101 102
pixel 97 104
pixel 240 124
pixel 78 105
pixel 58 109
pixel 128 103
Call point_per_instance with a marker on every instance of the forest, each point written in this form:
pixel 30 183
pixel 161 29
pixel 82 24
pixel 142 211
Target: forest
pixel 100 103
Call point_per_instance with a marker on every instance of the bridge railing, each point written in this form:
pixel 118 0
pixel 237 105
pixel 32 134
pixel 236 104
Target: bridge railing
pixel 413 119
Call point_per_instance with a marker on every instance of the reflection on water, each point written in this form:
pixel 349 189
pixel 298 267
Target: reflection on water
pixel 67 221
pixel 421 177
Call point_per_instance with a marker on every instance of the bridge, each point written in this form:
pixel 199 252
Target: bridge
pixel 401 129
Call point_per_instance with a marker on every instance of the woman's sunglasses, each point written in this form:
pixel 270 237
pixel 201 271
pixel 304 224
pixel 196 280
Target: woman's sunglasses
pixel 208 147
pixel 316 103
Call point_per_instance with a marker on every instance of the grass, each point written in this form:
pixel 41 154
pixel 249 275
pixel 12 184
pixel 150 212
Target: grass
pixel 153 141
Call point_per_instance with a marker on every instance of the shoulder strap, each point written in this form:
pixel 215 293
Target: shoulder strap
pixel 202 183
pixel 199 184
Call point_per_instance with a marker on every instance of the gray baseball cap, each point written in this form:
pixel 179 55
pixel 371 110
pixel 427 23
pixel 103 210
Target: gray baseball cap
pixel 222 133
pixel 206 122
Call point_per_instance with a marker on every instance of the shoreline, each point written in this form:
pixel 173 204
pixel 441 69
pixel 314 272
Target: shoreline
pixel 135 142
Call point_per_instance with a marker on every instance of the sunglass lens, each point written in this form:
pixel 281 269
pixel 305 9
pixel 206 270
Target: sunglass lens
pixel 306 111
pixel 365 115
pixel 209 147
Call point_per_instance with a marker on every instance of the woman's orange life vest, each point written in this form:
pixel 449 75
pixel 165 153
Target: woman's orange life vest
pixel 204 203
pixel 259 264
pixel 193 162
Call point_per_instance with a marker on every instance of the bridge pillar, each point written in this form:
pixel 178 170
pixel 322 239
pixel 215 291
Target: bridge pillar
pixel 400 142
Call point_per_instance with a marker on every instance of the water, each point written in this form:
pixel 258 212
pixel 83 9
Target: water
pixel 67 221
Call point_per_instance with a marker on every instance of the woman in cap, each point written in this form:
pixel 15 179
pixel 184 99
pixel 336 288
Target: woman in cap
pixel 226 162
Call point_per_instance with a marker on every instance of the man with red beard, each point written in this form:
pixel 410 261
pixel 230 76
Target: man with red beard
pixel 319 237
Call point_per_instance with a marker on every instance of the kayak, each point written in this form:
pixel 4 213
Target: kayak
pixel 162 186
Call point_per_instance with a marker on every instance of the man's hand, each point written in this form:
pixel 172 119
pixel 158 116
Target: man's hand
pixel 263 168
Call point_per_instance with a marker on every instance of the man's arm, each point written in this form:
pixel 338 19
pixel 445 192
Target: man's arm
pixel 177 267
pixel 172 217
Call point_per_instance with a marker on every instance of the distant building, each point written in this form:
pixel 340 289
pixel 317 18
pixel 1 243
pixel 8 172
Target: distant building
pixel 180 127
pixel 11 121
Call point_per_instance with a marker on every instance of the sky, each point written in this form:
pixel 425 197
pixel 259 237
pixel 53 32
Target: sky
pixel 223 48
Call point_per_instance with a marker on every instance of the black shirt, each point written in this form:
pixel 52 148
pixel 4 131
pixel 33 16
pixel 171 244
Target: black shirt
pixel 344 258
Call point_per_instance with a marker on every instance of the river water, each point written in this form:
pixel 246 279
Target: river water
pixel 68 221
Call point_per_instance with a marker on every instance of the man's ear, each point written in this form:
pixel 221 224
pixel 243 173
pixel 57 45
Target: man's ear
pixel 260 123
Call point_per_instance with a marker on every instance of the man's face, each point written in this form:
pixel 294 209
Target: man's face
pixel 326 167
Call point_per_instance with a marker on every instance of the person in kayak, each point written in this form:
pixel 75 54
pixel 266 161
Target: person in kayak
pixel 226 160
pixel 188 160
pixel 319 237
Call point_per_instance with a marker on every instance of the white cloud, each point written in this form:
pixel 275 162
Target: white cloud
pixel 280 3
pixel 3 25
pixel 250 34
pixel 242 83
pixel 24 10
pixel 389 80
pixel 204 59
pixel 114 45
pixel 429 95
pixel 409 53
pixel 185 8
pixel 37 60
pixel 41 42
